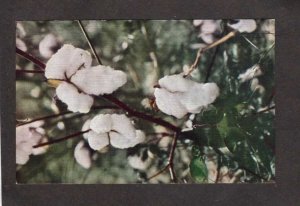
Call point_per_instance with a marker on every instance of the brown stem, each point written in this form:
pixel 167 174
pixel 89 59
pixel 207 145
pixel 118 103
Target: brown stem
pixel 170 162
pixel 140 115
pixel 202 50
pixel 64 113
pixel 266 110
pixel 61 139
pixel 31 58
pixel 171 158
pixel 29 71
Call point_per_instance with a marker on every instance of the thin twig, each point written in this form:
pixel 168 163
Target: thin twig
pixel 202 50
pixel 61 139
pixel 265 110
pixel 89 41
pixel 29 71
pixel 141 115
pixel 31 58
pixel 63 113
pixel 171 158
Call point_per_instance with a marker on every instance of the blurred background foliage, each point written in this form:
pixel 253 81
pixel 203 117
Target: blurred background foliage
pixel 147 51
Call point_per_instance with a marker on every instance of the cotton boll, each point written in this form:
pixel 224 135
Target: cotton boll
pixel 255 86
pixel 85 127
pixel 244 25
pixel 118 140
pixel 80 59
pixel 23 151
pixel 250 73
pixel 47 45
pixel 82 155
pixel 168 103
pixel 77 102
pixel 97 141
pixel 122 124
pixel 101 123
pixel 66 61
pixel 136 162
pixel 209 26
pixel 99 80
pixel 207 38
pixel 197 22
pixel 175 83
pixel 20 44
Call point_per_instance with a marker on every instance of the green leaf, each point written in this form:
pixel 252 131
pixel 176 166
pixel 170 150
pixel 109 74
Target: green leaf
pixel 198 170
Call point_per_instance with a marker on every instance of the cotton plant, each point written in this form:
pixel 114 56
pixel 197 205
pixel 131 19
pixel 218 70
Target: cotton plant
pixel 83 155
pixel 48 45
pixel 250 73
pixel 243 25
pixel 78 81
pixel 176 95
pixel 26 137
pixel 116 130
pixel 208 29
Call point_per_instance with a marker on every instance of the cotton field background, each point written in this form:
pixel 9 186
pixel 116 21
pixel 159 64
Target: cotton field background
pixel 145 101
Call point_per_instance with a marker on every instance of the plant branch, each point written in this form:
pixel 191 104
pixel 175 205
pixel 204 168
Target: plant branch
pixel 29 71
pixel 89 41
pixel 140 115
pixel 209 69
pixel 212 45
pixel 31 58
pixel 61 139
pixel 63 113
pixel 133 112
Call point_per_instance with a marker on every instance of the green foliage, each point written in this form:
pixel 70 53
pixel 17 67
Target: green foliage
pixel 198 170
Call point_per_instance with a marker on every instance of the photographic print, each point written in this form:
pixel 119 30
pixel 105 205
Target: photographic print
pixel 145 101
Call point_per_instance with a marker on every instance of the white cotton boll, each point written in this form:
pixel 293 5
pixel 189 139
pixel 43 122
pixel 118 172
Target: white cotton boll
pixel 101 123
pixel 82 155
pixel 207 38
pixel 22 156
pixel 97 141
pixel 199 96
pixel 20 44
pixel 169 103
pixel 244 25
pixel 118 140
pixel 80 59
pixel 136 162
pixel 197 22
pixel 123 125
pixel 209 26
pixel 175 83
pixel 66 61
pixel 47 44
pixel 77 102
pixel 250 73
pixel 85 127
pixel 99 80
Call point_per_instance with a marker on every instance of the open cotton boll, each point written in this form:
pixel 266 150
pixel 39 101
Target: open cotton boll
pixel 118 140
pixel 23 151
pixel 169 103
pixel 77 102
pixel 199 96
pixel 101 123
pixel 20 44
pixel 66 61
pixel 85 127
pixel 47 45
pixel 197 22
pixel 250 73
pixel 123 125
pixel 244 25
pixel 97 141
pixel 175 83
pixel 82 155
pixel 99 80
